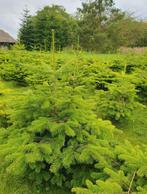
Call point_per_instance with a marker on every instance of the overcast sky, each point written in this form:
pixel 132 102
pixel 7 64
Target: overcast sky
pixel 11 10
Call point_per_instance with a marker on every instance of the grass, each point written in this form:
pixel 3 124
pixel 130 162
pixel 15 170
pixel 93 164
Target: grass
pixel 135 129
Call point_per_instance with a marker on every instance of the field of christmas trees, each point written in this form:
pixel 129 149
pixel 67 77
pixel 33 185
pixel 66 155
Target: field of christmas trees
pixel 73 122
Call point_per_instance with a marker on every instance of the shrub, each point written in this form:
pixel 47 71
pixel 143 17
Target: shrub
pixel 14 72
pixel 130 172
pixel 118 102
pixel 51 136
pixel 55 138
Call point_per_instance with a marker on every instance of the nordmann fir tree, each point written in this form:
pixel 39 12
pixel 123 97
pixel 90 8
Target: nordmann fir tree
pixel 52 133
pixel 54 137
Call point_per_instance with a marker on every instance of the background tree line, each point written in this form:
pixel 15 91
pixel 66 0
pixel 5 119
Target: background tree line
pixel 97 26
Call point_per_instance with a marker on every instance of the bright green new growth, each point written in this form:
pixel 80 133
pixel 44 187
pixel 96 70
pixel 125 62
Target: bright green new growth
pixel 59 138
pixel 118 102
pixel 53 134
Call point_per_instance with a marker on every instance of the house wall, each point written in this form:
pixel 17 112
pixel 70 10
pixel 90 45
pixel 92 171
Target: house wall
pixel 5 45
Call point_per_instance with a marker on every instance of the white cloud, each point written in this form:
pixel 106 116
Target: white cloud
pixel 11 10
pixel 138 7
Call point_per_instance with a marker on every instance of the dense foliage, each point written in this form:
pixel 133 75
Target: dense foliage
pixel 35 31
pixel 55 132
pixel 97 26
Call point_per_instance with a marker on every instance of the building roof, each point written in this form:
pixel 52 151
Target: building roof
pixel 6 38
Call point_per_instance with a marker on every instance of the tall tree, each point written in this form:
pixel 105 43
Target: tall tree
pixel 141 39
pixel 26 32
pixel 93 17
pixel 36 31
pixel 56 18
